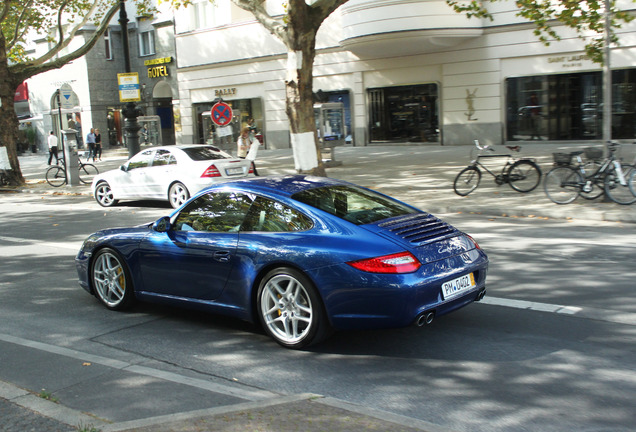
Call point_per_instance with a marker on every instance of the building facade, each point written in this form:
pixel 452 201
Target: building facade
pixel 407 71
pixel 91 85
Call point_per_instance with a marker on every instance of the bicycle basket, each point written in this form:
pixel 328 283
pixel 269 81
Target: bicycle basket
pixel 562 158
pixel 593 153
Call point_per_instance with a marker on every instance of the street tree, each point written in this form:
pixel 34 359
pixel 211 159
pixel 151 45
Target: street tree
pixel 60 21
pixel 299 27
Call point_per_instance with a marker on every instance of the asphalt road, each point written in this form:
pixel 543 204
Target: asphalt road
pixel 550 348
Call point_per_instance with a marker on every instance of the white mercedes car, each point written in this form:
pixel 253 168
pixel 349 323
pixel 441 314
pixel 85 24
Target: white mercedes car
pixel 169 173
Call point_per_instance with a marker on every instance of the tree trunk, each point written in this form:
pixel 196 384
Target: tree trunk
pixel 8 119
pixel 301 43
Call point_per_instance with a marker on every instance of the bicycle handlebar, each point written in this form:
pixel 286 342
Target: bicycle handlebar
pixel 480 147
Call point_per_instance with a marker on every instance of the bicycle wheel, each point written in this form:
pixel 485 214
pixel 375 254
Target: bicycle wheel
pixel 631 181
pixel 615 190
pixel 593 187
pixel 467 180
pixel 562 185
pixel 524 175
pixel 87 172
pixel 56 176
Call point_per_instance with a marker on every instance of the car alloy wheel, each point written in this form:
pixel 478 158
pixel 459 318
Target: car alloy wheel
pixel 178 194
pixel 104 195
pixel 290 310
pixel 111 280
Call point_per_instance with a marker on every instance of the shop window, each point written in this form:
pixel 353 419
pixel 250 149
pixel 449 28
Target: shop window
pixel 569 106
pixel 405 113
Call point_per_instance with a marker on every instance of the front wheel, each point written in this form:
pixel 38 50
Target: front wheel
pixel 178 194
pixel 617 184
pixel 562 185
pixel 467 180
pixel 111 280
pixel 104 195
pixel 524 175
pixel 290 309
pixel 87 172
pixel 56 176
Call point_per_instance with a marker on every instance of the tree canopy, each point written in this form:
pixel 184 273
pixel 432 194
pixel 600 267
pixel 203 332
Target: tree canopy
pixel 58 22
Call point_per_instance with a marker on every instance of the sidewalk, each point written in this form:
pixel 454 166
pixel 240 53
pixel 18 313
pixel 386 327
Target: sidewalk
pixel 420 175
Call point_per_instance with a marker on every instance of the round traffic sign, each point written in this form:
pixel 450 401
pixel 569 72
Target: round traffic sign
pixel 221 114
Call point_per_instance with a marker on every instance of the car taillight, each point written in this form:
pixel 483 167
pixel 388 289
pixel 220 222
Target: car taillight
pixel 403 262
pixel 473 240
pixel 251 168
pixel 212 171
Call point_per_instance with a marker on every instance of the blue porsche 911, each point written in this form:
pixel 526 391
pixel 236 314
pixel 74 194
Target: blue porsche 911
pixel 301 255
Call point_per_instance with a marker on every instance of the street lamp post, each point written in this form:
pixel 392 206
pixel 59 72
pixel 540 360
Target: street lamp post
pixel 130 111
pixel 607 77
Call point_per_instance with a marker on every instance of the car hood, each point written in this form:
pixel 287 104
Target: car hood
pixel 429 238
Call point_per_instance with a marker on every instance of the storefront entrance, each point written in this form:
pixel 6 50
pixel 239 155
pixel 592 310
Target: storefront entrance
pixel 404 114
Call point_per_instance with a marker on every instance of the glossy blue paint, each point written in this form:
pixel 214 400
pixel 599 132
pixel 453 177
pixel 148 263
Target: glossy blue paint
pixel 220 271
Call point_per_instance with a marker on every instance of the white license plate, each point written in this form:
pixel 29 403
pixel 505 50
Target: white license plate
pixel 457 286
pixel 234 171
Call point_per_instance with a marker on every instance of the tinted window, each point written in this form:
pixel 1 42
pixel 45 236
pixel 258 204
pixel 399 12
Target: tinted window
pixel 271 216
pixel 205 153
pixel 141 160
pixel 164 157
pixel 355 205
pixel 220 212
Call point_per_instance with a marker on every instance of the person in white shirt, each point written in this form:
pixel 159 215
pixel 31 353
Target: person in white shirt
pixel 52 147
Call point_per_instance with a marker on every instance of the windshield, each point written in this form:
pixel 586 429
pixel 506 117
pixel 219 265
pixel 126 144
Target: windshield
pixel 353 204
pixel 205 153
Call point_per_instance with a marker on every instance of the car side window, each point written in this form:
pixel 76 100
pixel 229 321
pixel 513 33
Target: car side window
pixel 214 212
pixel 267 215
pixel 164 157
pixel 141 160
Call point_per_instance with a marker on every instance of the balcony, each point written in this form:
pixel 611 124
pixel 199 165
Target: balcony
pixel 382 28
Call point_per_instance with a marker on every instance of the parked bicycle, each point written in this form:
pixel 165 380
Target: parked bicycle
pixel 566 181
pixel 522 174
pixel 56 175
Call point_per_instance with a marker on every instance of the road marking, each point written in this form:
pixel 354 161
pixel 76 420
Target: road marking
pixel 74 246
pixel 579 312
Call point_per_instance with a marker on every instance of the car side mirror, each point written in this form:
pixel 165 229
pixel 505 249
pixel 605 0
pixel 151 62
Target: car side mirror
pixel 123 168
pixel 162 225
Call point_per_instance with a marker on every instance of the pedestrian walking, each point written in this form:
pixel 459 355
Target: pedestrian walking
pixel 98 145
pixel 90 142
pixel 52 147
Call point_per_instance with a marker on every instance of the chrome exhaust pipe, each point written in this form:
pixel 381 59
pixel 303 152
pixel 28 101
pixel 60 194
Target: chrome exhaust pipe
pixel 481 294
pixel 425 318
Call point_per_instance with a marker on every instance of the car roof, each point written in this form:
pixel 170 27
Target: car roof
pixel 281 185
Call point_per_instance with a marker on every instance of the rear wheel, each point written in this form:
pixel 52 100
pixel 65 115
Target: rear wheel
pixel 56 176
pixel 178 194
pixel 290 309
pixel 87 172
pixel 524 176
pixel 618 191
pixel 562 185
pixel 467 180
pixel 111 280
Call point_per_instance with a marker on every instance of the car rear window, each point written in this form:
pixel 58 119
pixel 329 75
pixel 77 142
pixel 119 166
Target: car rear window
pixel 205 153
pixel 356 205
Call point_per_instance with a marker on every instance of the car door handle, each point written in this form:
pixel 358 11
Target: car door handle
pixel 222 256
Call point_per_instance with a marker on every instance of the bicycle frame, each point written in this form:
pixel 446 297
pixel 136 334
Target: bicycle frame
pixel 509 157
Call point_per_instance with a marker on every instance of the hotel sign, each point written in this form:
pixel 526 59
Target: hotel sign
pixel 158 67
